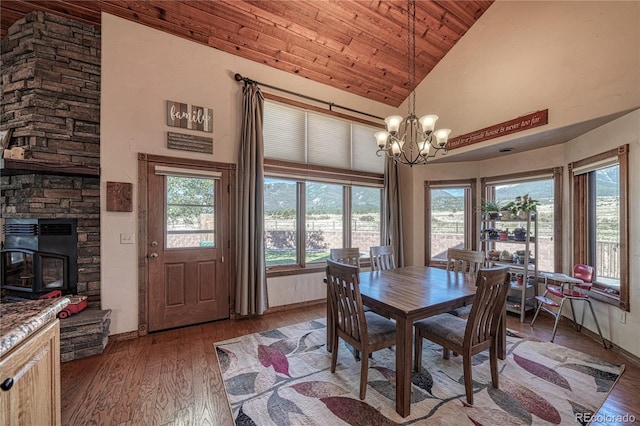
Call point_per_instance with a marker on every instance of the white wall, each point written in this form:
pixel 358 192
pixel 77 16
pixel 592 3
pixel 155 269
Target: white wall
pixel 579 59
pixel 141 69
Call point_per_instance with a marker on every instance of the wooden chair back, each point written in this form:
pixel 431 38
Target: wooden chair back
pixel 467 261
pixel 487 309
pixel 366 332
pixel 346 303
pixel 382 258
pixel 349 256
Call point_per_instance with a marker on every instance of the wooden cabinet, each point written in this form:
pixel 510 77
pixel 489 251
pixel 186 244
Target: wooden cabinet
pixel 523 257
pixel 34 367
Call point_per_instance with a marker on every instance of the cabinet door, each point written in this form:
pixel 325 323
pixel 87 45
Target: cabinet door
pixel 34 366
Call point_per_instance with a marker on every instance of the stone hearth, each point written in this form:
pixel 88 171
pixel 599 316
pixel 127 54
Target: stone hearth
pixel 84 334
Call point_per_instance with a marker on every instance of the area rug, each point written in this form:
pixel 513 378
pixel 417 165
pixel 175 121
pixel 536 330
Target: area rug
pixel 283 377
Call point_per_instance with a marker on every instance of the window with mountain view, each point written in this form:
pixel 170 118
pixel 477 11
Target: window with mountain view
pixel 450 218
pixel 545 187
pixel 323 220
pixel 280 221
pixel 542 191
pixel 324 215
pixel 601 221
pixel 604 229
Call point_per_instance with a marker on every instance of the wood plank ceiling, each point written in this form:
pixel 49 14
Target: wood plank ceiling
pixel 357 46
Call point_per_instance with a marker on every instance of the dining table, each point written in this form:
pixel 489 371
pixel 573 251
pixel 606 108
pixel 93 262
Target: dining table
pixel 409 294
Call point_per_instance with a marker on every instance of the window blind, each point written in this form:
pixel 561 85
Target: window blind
pixel 298 135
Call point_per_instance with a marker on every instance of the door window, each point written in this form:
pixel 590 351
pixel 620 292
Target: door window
pixel 190 219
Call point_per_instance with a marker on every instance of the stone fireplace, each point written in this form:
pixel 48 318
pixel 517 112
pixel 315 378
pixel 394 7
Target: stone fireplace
pixel 50 97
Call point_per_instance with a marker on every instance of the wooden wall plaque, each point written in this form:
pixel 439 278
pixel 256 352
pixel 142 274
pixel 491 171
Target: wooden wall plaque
pixel 119 197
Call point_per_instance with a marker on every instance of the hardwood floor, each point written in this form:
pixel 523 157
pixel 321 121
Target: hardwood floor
pixel 172 377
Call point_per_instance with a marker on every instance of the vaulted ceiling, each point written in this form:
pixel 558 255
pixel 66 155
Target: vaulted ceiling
pixel 358 46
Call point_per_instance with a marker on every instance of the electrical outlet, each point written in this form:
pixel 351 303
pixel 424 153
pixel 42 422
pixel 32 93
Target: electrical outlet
pixel 622 317
pixel 126 238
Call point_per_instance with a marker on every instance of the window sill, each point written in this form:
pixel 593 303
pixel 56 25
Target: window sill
pixel 602 295
pixel 286 270
pixel 283 271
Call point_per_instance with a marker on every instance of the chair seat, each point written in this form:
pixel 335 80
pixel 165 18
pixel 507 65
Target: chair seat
pixel 462 312
pixel 445 326
pixel 557 291
pixel 379 328
pixel 547 301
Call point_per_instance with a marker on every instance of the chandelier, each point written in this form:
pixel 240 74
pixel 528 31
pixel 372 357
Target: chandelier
pixel 411 140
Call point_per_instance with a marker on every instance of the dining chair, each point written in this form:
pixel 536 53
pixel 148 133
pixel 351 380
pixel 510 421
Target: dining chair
pixel 382 258
pixel 466 261
pixel 571 290
pixel 350 256
pixel 475 334
pixel 365 331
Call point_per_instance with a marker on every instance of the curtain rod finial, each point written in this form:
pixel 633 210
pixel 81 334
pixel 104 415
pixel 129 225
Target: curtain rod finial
pixel 238 77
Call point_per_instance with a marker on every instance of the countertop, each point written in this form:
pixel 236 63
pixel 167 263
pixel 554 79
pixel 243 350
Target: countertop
pixel 19 320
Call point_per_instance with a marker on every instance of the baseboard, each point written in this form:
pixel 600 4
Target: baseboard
pixel 124 336
pixel 282 308
pixel 613 347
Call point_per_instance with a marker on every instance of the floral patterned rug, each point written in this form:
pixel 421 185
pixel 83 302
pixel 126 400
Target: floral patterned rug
pixel 283 377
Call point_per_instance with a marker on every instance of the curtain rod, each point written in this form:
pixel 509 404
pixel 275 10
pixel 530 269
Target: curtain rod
pixel 246 80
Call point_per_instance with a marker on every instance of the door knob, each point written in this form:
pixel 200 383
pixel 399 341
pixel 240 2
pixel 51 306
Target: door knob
pixel 153 255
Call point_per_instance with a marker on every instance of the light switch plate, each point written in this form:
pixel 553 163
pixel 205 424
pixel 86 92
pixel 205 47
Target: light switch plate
pixel 126 238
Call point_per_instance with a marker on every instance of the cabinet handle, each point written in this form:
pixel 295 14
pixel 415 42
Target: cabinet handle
pixel 7 384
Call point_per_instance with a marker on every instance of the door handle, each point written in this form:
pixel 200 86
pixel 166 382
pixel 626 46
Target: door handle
pixel 153 255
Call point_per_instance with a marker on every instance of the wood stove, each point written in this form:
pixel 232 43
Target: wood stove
pixel 40 255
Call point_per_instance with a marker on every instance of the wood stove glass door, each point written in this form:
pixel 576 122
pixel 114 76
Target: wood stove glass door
pixel 188 274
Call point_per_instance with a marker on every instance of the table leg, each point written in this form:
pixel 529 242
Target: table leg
pixel 502 336
pixel 329 324
pixel 404 345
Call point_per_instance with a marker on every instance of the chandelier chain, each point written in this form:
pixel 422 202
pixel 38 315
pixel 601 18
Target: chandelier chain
pixel 411 140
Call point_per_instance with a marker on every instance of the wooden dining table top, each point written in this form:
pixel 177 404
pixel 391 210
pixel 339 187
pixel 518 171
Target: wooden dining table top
pixel 416 292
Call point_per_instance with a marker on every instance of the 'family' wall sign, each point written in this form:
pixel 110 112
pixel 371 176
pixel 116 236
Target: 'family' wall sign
pixel 189 116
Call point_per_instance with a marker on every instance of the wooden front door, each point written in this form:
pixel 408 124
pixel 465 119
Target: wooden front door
pixel 187 245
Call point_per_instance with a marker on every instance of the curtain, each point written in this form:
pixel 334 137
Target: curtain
pixel 251 284
pixel 392 211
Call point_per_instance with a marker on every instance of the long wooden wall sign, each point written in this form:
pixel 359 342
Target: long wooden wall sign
pixel 529 121
pixel 185 142
pixel 189 116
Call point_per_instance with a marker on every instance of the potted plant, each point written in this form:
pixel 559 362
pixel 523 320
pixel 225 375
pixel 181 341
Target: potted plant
pixel 491 209
pixel 524 205
pixel 510 210
pixel 491 234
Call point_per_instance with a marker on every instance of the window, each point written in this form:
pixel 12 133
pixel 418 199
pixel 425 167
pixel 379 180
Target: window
pixel 280 221
pixel 326 212
pixel 450 221
pixel 323 187
pixel 546 187
pixel 600 222
pixel 366 216
pixel 190 212
pixel 324 215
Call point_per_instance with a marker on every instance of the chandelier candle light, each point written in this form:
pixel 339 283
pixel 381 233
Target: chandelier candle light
pixel 411 140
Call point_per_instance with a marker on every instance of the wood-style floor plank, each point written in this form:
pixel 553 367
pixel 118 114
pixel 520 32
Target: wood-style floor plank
pixel 173 378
